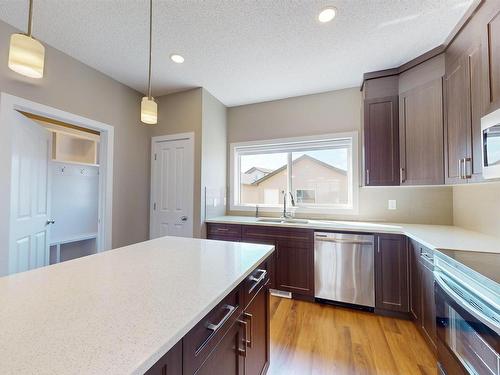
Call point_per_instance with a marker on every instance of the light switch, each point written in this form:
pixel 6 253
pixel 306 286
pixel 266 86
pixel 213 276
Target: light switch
pixel 392 204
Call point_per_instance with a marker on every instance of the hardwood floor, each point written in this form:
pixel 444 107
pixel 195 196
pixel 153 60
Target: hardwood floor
pixel 308 338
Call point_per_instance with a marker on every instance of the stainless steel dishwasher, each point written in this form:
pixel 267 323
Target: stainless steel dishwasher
pixel 343 268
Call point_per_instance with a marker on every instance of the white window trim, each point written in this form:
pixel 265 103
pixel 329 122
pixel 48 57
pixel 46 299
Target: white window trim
pixel 310 209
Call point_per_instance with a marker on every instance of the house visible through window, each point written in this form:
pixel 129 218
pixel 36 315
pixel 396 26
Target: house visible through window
pixel 318 172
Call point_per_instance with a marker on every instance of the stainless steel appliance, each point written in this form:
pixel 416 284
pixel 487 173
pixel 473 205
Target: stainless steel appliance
pixel 490 126
pixel 467 312
pixel 343 268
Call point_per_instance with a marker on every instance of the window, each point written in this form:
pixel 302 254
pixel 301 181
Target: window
pixel 319 172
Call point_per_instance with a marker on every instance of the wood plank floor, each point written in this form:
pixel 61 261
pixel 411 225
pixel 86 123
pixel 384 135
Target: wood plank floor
pixel 309 338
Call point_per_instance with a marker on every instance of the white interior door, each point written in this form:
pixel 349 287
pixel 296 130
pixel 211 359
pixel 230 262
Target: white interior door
pixel 172 187
pixel 30 196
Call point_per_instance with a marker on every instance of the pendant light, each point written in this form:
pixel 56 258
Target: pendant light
pixel 149 108
pixel 26 54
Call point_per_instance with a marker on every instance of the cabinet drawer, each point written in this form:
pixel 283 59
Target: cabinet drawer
pixel 256 280
pixel 222 231
pixel 294 236
pixel 204 337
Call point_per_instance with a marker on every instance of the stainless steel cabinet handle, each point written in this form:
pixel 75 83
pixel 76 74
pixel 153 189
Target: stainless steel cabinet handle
pixel 257 280
pixel 349 242
pixel 243 352
pixel 222 229
pixel 466 174
pixel 368 177
pixel 401 174
pixel 250 319
pixel 459 170
pixel 215 327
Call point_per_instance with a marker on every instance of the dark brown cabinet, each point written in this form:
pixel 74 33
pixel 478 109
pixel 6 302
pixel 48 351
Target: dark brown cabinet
pixel 421 135
pixel 391 274
pixel 228 356
pixel 491 45
pixel 294 256
pixel 381 141
pixel 256 317
pixel 170 363
pixel 422 303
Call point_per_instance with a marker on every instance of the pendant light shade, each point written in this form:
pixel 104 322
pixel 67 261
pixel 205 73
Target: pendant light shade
pixel 149 111
pixel 26 54
pixel 149 108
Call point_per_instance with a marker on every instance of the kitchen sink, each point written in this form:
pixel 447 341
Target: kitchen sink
pixel 282 220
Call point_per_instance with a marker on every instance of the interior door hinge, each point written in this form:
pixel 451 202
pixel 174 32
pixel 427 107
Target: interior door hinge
pixel 155 156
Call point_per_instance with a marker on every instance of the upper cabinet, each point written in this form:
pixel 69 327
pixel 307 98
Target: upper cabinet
pixel 381 132
pixel 421 134
pixel 491 42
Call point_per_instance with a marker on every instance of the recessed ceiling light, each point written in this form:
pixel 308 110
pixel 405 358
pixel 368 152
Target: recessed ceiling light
pixel 177 59
pixel 327 14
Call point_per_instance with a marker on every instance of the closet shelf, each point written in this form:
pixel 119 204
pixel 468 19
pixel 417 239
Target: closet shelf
pixel 75 163
pixel 74 238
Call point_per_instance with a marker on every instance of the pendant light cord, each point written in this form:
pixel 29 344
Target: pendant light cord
pixel 150 44
pixel 30 17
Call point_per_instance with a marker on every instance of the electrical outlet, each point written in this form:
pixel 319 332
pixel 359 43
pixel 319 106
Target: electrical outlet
pixel 391 204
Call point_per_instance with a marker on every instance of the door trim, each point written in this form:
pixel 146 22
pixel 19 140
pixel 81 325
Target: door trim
pixel 165 138
pixel 10 104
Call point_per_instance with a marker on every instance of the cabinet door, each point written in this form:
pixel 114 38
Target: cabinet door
pixel 391 273
pixel 421 135
pixel 257 317
pixel 381 141
pixel 295 267
pixel 473 163
pixel 415 282
pixel 170 363
pixel 228 356
pixel 492 62
pixel 457 122
pixel 428 303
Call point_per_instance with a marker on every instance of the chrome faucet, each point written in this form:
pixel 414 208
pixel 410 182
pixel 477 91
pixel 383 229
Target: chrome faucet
pixel 285 214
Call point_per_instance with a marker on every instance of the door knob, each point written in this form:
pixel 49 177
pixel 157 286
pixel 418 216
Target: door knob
pixel 184 218
pixel 50 222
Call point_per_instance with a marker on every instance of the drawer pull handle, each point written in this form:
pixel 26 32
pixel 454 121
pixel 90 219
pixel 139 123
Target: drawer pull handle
pixel 250 319
pixel 257 280
pixel 243 352
pixel 215 327
pixel 222 229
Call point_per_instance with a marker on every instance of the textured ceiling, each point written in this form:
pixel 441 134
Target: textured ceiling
pixel 242 51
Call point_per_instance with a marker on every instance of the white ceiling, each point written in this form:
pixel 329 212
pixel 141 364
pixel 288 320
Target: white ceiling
pixel 242 51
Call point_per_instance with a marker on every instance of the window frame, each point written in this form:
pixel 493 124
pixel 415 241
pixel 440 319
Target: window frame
pixel 353 177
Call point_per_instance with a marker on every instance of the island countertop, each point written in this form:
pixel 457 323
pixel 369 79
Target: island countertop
pixel 119 311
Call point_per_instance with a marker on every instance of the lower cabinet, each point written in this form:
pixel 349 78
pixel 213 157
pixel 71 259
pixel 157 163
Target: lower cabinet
pixel 391 274
pixel 232 339
pixel 422 292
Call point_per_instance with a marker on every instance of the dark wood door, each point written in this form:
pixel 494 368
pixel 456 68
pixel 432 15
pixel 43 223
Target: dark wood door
pixel 391 273
pixel 421 135
pixel 457 123
pixel 257 317
pixel 415 282
pixel 295 264
pixel 228 356
pixel 428 303
pixel 491 64
pixel 381 134
pixel 473 162
pixel 170 363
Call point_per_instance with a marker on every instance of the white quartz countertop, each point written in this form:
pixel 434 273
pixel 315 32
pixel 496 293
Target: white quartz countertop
pixel 119 311
pixel 433 236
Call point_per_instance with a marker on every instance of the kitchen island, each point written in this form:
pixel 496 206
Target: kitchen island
pixel 122 311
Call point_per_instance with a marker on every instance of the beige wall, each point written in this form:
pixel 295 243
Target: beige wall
pixel 477 207
pixel 181 113
pixel 330 112
pixel 71 86
pixel 214 147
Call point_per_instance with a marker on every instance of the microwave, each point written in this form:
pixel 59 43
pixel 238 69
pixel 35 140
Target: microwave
pixel 490 130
